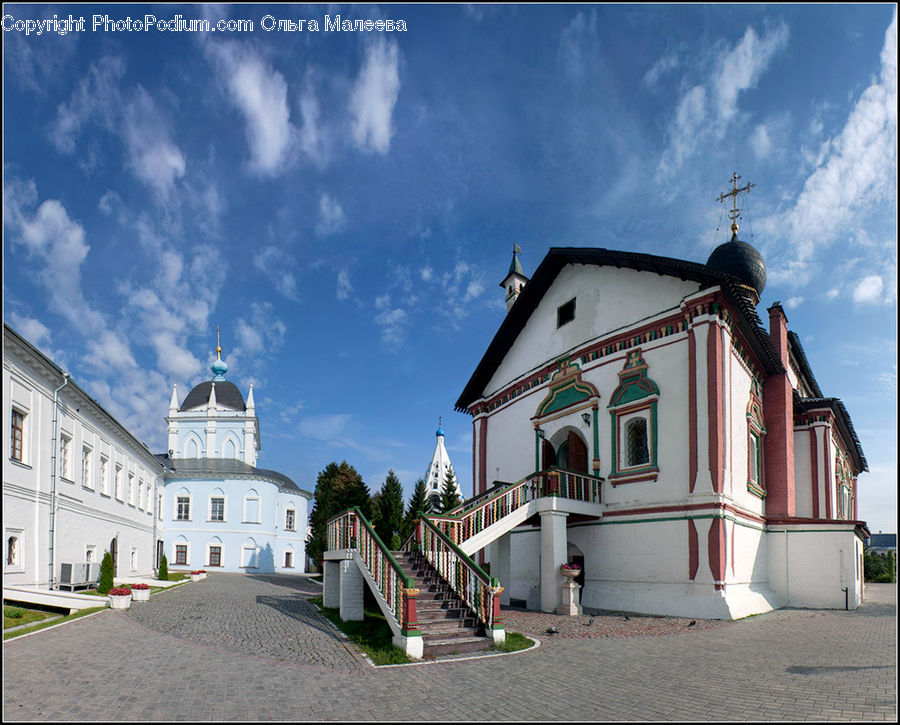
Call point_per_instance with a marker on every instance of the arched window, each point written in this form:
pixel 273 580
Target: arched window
pixel 12 550
pixel 638 451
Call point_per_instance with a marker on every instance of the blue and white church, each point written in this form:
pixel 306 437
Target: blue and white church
pixel 220 512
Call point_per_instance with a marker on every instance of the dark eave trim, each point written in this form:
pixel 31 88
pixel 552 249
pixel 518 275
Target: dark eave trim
pixel 844 424
pixel 803 363
pixel 747 320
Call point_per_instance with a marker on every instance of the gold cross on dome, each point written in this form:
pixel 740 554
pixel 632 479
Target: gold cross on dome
pixel 735 213
pixel 218 343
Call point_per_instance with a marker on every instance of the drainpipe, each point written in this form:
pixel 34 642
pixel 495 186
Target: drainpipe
pixel 53 499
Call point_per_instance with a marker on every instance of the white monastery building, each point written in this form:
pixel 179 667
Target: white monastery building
pixel 77 483
pixel 728 479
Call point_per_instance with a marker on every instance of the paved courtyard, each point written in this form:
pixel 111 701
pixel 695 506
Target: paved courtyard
pixel 251 648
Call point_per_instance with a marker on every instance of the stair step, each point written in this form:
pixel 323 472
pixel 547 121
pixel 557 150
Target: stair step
pixel 457 646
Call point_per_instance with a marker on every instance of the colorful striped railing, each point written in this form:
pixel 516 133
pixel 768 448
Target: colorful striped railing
pixel 466 579
pixel 351 530
pixel 473 517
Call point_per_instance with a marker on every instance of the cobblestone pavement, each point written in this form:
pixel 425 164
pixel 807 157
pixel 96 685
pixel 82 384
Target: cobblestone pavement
pixel 785 665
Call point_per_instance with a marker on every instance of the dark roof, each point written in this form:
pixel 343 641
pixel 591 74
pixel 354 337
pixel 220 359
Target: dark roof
pixel 177 468
pixel 886 541
pixel 805 369
pixel 844 424
pixel 227 395
pixel 740 260
pixel 558 257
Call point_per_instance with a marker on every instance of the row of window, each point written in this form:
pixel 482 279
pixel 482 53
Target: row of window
pixel 216 511
pixel 214 556
pixel 15 549
pixel 138 493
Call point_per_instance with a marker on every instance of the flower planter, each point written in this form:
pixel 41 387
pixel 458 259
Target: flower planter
pixel 570 573
pixel 196 577
pixel 140 595
pixel 119 602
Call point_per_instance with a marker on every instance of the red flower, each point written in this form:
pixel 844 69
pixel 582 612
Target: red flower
pixel 570 567
pixel 120 592
pixel 140 586
pixel 196 572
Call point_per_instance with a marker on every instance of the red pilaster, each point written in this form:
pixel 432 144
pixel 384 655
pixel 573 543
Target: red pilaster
pixel 717 551
pixel 714 407
pixel 814 471
pixel 692 410
pixel 482 455
pixel 410 615
pixel 496 614
pixel 693 550
pixel 778 412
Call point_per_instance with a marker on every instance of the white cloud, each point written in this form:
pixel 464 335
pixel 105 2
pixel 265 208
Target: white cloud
pixel 794 302
pixel 426 273
pixel 97 98
pixel 331 217
pixel 323 427
pixel 760 141
pixel 868 290
pixel 278 267
pixel 37 333
pixel 856 171
pixel 312 136
pixel 708 109
pixel 344 288
pixel 259 92
pixel 662 67
pixel 391 319
pixel 577 39
pixel 374 95
pixel 153 157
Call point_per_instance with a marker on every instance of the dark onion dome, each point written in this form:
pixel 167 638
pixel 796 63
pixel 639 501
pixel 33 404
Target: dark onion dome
pixel 227 396
pixel 742 261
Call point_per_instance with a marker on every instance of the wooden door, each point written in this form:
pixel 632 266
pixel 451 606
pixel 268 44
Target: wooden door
pixel 577 453
pixel 548 456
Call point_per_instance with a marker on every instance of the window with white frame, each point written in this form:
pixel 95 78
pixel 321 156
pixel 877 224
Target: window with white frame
pixel 90 553
pixel 104 475
pixel 181 554
pixel 251 509
pixel 183 508
pixel 215 555
pixel 17 436
pixel 159 508
pixel 119 491
pixel 65 456
pixel 87 471
pixel 216 508
pixel 134 558
pixel 131 489
pixel 290 516
pixel 289 560
pixel 248 556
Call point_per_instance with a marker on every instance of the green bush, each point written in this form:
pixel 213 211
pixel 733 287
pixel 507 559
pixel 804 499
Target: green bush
pixel 13 612
pixel 163 570
pixel 106 574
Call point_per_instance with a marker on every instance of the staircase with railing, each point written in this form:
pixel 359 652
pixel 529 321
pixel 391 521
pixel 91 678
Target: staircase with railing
pixel 433 575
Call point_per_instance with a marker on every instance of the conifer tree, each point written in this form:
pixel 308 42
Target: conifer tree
pixel 163 574
pixel 390 509
pixel 419 505
pixel 338 487
pixel 106 574
pixel 449 496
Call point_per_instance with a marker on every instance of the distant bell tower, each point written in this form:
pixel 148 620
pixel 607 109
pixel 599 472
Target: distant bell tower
pixel 515 279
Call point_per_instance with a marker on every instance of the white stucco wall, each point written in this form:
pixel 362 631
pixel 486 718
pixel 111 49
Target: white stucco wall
pixel 803 483
pixel 606 300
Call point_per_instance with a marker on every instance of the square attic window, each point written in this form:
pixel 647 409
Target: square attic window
pixel 565 313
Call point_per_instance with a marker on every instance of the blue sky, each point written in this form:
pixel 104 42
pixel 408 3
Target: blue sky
pixel 344 204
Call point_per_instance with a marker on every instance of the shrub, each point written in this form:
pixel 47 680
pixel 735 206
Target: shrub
pixel 106 574
pixel 13 612
pixel 163 569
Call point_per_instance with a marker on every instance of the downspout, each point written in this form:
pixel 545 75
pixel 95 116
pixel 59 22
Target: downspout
pixel 154 558
pixel 53 498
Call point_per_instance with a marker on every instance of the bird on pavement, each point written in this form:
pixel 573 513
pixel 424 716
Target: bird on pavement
pixel 693 622
pixel 552 630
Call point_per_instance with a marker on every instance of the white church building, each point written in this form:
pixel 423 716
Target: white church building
pixel 727 479
pixel 438 468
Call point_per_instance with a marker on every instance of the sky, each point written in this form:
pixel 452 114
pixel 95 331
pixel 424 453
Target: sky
pixel 343 204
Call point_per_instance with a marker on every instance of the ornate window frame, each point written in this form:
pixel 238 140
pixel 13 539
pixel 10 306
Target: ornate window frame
pixel 636 397
pixel 755 448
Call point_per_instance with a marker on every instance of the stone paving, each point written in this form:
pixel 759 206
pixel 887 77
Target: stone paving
pixel 249 648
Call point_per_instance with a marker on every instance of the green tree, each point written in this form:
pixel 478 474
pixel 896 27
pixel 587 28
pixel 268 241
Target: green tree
pixel 390 511
pixel 449 496
pixel 163 574
pixel 106 574
pixel 419 505
pixel 338 487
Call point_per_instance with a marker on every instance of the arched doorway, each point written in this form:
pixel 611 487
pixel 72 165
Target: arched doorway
pixel 548 455
pixel 570 454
